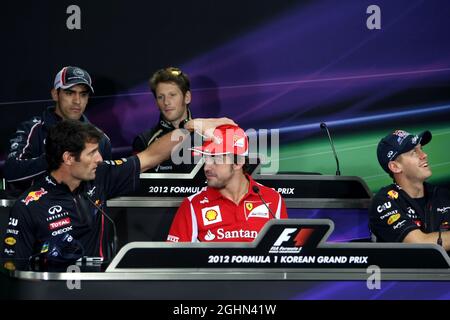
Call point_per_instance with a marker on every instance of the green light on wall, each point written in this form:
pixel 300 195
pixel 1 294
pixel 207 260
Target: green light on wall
pixel 357 155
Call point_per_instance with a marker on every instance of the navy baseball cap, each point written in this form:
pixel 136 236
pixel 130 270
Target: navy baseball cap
pixel 70 76
pixel 398 142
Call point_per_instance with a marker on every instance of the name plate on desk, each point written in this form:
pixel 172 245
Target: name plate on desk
pixel 172 185
pixel 282 244
pixel 290 186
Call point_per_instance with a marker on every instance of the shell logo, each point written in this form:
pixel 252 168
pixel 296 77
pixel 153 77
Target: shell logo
pixel 211 215
pixel 393 218
pixel 9 266
pixel 10 241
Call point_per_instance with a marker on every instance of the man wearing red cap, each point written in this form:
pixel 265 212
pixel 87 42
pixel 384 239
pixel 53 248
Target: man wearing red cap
pixel 233 207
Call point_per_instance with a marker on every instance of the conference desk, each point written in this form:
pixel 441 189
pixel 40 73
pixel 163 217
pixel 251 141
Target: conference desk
pixel 272 267
pixel 147 215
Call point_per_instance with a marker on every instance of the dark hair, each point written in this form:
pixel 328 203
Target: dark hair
pixel 170 74
pixel 248 163
pixel 71 136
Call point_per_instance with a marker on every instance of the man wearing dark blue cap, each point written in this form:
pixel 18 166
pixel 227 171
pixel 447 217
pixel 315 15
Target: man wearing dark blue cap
pixel 26 159
pixel 409 210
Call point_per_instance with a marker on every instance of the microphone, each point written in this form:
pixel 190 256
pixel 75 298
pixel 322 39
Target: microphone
pixel 115 239
pixel 257 191
pixel 439 239
pixel 323 125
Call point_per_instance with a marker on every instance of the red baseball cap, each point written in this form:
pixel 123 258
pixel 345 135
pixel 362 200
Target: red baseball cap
pixel 228 139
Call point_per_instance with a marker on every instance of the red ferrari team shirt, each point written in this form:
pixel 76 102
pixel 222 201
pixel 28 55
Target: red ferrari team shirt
pixel 207 216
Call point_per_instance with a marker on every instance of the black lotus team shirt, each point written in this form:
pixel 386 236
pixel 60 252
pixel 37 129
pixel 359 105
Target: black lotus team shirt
pixel 393 213
pixel 143 140
pixel 49 209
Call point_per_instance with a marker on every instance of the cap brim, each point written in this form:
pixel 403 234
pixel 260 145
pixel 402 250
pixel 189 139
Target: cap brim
pixel 68 86
pixel 425 137
pixel 202 151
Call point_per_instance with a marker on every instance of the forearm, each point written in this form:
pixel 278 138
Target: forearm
pixel 418 236
pixel 445 236
pixel 161 149
pixel 18 170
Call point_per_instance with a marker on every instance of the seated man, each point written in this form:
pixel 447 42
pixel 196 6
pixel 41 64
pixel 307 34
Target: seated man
pixel 26 160
pixel 409 210
pixel 233 207
pixel 172 91
pixel 70 199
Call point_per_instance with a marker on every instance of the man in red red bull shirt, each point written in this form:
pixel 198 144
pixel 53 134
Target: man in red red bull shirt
pixel 233 207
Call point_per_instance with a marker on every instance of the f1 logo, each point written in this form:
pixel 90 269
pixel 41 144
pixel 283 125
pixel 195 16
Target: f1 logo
pixel 284 236
pixel 300 239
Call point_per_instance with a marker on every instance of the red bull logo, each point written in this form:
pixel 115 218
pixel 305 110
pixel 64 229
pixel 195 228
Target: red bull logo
pixel 34 196
pixel 393 194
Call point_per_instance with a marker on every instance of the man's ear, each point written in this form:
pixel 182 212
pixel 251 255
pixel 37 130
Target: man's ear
pixel 187 97
pixel 54 94
pixel 68 158
pixel 395 166
pixel 237 167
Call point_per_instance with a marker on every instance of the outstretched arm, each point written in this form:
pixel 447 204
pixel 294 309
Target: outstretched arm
pixel 161 149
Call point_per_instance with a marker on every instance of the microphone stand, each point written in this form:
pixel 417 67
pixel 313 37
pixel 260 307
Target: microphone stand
pixel 323 125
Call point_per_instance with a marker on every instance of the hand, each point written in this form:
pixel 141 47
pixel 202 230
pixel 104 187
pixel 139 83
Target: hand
pixel 205 127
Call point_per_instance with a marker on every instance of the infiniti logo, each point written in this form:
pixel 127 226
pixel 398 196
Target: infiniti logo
pixel 55 209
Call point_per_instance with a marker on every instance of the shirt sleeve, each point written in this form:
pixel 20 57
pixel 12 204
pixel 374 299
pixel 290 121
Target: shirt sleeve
pixel 26 158
pixel 19 239
pixel 283 214
pixel 138 145
pixel 119 177
pixel 181 229
pixel 388 221
pixel 105 148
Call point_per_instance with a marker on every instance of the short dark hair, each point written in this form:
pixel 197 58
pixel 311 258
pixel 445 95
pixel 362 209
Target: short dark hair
pixel 71 136
pixel 170 74
pixel 248 162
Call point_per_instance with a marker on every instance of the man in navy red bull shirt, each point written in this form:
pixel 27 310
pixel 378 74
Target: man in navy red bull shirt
pixel 233 207
pixel 410 210
pixel 26 161
pixel 71 197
